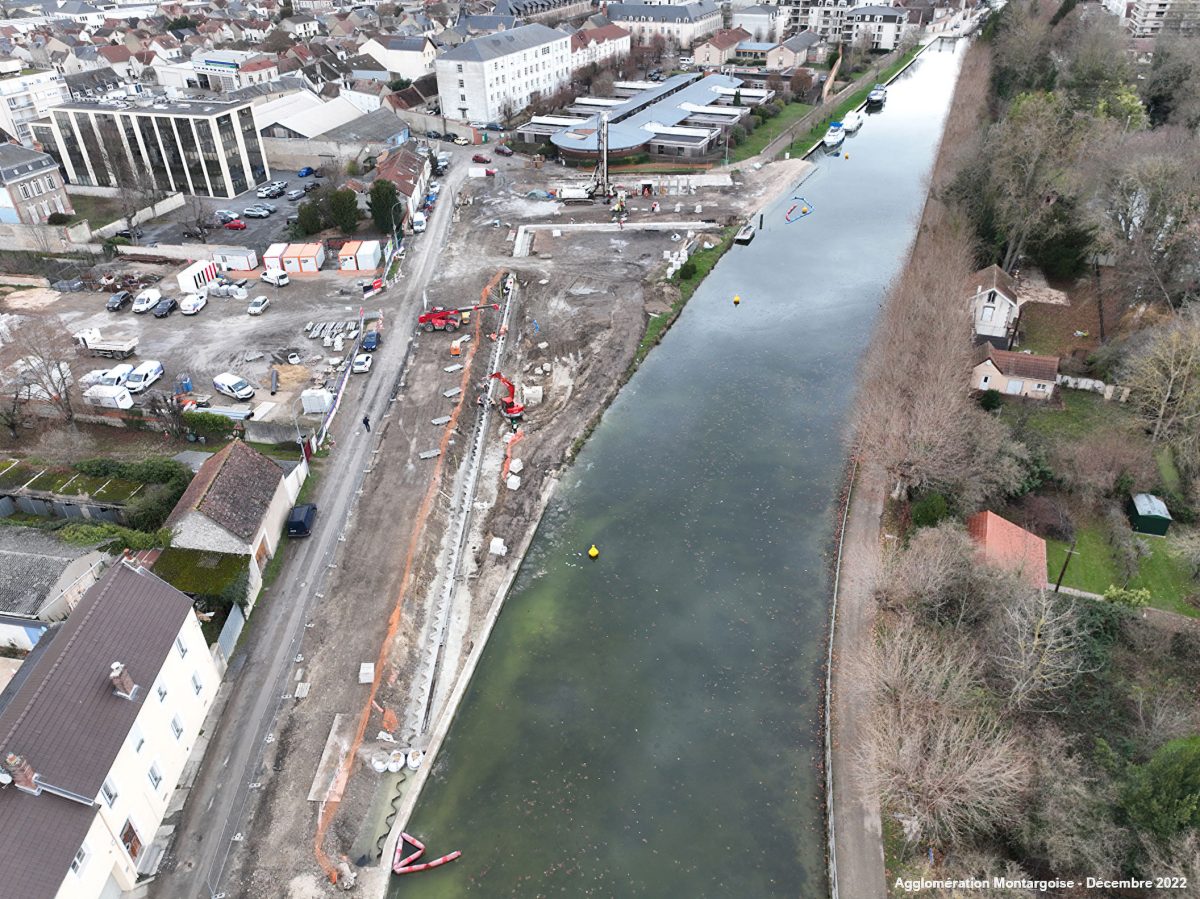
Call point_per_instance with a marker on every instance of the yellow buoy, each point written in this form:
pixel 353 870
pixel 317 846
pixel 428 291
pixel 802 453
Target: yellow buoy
pixel 593 553
pixel 736 299
pixel 847 155
pixel 804 209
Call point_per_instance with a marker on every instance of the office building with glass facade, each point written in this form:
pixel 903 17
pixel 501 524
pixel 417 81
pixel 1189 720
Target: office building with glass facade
pixel 205 147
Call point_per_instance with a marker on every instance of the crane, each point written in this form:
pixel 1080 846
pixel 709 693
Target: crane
pixel 440 318
pixel 509 408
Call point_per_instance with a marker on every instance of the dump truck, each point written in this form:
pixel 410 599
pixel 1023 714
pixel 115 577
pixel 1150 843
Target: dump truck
pixel 113 348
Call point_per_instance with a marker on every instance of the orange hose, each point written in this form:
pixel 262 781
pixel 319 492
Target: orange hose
pixel 517 435
pixel 329 809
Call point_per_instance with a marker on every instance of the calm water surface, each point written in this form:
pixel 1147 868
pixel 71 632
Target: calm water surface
pixel 648 724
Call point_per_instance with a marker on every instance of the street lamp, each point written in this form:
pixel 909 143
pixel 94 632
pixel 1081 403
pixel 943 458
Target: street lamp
pixel 395 236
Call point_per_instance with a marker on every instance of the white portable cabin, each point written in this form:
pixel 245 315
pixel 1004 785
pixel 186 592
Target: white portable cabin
pixel 237 260
pixel 369 256
pixel 197 276
pixel 108 397
pixel 273 257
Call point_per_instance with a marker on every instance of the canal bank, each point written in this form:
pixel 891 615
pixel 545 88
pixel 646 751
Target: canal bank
pixel 648 724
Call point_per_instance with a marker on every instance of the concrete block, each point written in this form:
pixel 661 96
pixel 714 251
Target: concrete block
pixel 513 482
pixel 516 466
pixel 531 394
pixel 366 672
pixel 497 547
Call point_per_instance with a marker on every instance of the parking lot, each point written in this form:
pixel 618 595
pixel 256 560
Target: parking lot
pixel 224 337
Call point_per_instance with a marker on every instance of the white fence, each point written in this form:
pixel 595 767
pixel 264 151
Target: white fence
pixel 1108 391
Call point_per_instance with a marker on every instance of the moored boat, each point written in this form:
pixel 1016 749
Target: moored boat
pixel 835 135
pixel 745 235
pixel 878 96
pixel 852 121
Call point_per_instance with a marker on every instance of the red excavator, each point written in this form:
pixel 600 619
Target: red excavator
pixel 509 408
pixel 441 319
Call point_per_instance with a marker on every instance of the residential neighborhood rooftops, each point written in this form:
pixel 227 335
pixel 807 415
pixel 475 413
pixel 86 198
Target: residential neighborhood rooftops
pixel 1009 546
pixel 646 12
pixel 1020 365
pixel 378 126
pixel 234 489
pixel 493 46
pixel 65 719
pixel 18 162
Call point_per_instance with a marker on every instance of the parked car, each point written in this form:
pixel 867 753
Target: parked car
pixel 433 135
pixel 165 307
pixel 462 141
pixel 192 233
pixel 193 303
pixel 295 195
pixel 146 300
pixel 117 375
pixel 225 215
pixel 370 342
pixel 274 277
pixel 362 363
pixel 300 520
pixel 270 207
pixel 255 212
pixel 318 174
pixel 119 301
pixel 502 150
pixel 143 376
pixel 231 385
pixel 258 305
pixel 435 188
pixel 279 184
pixel 481 159
pixel 264 192
pixel 130 235
pixel 311 186
pixel 235 225
pixel 494 126
pixel 305 172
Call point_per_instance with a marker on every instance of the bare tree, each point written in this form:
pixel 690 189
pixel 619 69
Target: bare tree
pixel 1164 378
pixel 1179 857
pixel 198 217
pixel 11 406
pixel 1185 545
pixel 1036 651
pixel 936 575
pixel 1148 213
pixel 168 411
pixel 135 185
pixel 939 761
pixel 39 355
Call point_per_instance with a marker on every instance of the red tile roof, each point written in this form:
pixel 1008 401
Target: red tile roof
pixel 1009 546
pixel 115 53
pixel 1020 365
pixel 728 37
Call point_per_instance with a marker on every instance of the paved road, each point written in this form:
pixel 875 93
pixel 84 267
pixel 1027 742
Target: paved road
pixel 214 812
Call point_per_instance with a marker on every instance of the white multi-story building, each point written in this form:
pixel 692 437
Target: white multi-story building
pixel 764 23
pixel 95 738
pixel 680 26
pixel 31 186
pixel 26 96
pixel 599 46
pixel 876 27
pixel 406 56
pixel 1150 17
pixel 493 77
pixel 231 70
pixel 206 147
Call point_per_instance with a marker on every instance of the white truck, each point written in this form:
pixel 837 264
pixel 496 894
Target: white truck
pixel 116 348
pixel 108 397
pixel 567 194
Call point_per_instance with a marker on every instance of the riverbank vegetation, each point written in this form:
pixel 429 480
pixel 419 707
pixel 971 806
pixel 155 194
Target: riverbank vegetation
pixel 1018 730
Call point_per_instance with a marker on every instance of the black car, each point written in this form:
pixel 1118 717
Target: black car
pixel 119 301
pixel 494 126
pixel 311 186
pixel 165 307
pixel 300 520
pixel 433 135
pixel 130 235
pixel 192 233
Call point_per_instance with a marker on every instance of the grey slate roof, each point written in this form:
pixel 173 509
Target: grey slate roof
pixel 67 722
pixel 20 162
pixel 412 43
pixel 31 561
pixel 377 126
pixel 802 41
pixel 493 46
pixel 895 11
pixel 645 12
pixel 760 10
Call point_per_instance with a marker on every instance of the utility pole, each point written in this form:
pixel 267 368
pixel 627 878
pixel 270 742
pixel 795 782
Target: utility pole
pixel 1066 561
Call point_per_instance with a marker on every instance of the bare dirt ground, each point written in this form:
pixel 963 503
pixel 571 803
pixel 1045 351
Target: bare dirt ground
pixel 587 294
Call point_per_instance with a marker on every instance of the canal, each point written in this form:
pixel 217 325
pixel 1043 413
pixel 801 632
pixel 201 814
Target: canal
pixel 648 724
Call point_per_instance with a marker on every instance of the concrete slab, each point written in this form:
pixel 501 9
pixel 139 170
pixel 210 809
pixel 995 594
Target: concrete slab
pixel 329 782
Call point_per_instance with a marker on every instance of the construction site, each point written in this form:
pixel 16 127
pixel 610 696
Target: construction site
pixel 528 327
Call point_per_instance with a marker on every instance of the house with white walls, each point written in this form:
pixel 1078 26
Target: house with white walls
pixel 95 730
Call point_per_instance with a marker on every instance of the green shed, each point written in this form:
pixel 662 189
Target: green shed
pixel 1148 514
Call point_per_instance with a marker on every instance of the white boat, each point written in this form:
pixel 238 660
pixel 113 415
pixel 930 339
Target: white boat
pixel 852 121
pixel 878 96
pixel 835 135
pixel 745 235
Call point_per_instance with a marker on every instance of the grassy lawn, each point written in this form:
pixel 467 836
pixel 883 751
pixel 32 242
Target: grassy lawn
pixel 768 131
pixel 1080 414
pixel 99 211
pixel 1165 460
pixel 1094 570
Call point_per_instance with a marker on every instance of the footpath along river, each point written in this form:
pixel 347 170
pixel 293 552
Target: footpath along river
pixel 648 724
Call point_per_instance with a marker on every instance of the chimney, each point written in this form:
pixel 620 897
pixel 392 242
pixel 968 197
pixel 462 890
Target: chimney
pixel 123 684
pixel 22 773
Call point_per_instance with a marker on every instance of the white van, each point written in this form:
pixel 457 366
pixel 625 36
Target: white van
pixel 274 276
pixel 232 385
pixel 418 222
pixel 117 375
pixel 146 300
pixel 143 376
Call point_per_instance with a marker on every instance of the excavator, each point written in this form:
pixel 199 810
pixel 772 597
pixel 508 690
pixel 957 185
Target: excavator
pixel 509 408
pixel 441 319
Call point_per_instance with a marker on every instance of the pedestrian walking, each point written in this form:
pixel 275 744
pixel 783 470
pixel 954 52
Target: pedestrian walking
pixel 367 423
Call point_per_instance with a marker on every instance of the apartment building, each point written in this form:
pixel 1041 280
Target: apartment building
pixel 680 26
pixel 26 96
pixel 405 56
pixel 95 731
pixel 206 147
pixel 31 186
pixel 878 27
pixel 764 23
pixel 1147 18
pixel 599 46
pixel 492 77
pixel 231 70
